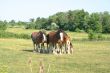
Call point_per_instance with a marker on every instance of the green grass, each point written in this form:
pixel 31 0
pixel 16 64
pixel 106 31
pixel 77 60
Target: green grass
pixel 88 57
pixel 21 30
pixel 73 35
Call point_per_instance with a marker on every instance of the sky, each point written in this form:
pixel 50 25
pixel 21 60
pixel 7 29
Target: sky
pixel 23 10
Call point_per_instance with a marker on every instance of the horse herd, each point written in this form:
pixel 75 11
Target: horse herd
pixel 57 42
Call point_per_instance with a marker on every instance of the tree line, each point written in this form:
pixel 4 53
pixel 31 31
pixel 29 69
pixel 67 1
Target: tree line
pixel 77 20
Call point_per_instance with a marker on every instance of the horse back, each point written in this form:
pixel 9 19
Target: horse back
pixel 36 37
pixel 51 37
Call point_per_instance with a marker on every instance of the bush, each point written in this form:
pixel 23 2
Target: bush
pixel 78 30
pixel 95 36
pixel 2 26
pixel 91 35
pixel 54 26
pixel 100 37
pixel 23 36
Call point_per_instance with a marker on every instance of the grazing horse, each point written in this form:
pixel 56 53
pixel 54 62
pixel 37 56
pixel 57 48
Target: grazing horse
pixel 66 42
pixel 38 38
pixel 59 37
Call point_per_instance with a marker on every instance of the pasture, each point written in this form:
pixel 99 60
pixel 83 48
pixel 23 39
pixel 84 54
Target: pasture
pixel 88 56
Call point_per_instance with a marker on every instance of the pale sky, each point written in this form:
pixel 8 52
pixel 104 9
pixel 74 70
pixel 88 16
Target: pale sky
pixel 23 10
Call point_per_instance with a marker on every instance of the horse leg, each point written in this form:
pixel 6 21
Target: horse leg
pixel 43 45
pixel 61 49
pixel 37 47
pixel 51 47
pixel 34 47
pixel 71 50
pixel 57 48
pixel 48 47
pixel 68 50
pixel 54 48
pixel 65 49
pixel 42 48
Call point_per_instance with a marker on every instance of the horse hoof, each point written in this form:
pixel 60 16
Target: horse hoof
pixel 54 53
pixel 34 51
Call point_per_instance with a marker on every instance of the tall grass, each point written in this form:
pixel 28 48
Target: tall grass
pixel 4 34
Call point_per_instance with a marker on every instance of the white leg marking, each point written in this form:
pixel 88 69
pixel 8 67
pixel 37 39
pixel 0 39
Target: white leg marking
pixel 61 36
pixel 68 46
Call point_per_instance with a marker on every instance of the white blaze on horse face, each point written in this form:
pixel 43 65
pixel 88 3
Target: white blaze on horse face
pixel 44 37
pixel 61 36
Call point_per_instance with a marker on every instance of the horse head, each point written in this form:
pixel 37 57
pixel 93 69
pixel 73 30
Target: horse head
pixel 60 34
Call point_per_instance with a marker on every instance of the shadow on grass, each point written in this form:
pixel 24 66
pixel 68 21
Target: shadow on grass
pixel 31 50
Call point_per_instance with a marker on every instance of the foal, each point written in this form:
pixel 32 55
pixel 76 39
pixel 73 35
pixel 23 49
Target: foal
pixel 38 38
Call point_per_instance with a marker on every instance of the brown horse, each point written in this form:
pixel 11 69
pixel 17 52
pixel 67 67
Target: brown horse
pixel 38 38
pixel 66 44
pixel 59 37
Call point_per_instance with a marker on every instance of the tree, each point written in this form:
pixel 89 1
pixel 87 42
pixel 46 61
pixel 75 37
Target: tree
pixel 41 23
pixel 95 23
pixel 106 22
pixel 54 26
pixel 71 24
pixel 12 23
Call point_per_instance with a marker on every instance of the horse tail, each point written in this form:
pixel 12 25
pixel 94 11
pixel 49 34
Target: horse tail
pixel 33 37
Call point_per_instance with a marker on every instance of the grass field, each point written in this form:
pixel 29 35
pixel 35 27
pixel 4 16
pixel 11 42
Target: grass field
pixel 73 35
pixel 88 56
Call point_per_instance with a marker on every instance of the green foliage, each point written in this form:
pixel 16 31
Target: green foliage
pixel 70 20
pixel 100 37
pixel 41 23
pixel 106 22
pixel 78 30
pixel 95 36
pixel 3 25
pixel 91 35
pixel 54 26
pixel 30 26
pixel 12 23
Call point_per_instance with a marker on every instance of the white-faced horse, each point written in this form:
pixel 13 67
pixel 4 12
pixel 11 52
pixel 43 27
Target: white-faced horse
pixel 61 38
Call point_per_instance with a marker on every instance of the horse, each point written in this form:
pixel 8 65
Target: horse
pixel 51 41
pixel 38 39
pixel 59 37
pixel 66 42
